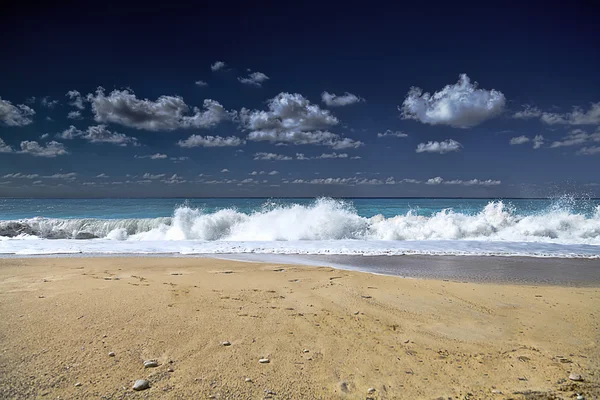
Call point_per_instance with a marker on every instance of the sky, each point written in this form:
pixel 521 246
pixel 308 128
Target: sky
pixel 183 100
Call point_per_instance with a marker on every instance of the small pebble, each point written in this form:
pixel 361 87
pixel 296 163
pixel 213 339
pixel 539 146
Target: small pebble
pixel 78 384
pixel 226 343
pixel 111 354
pixel 305 351
pixel 576 377
pixel 248 380
pixel 170 370
pixel 264 361
pixel 141 384
pixel 580 397
pixel 496 391
pixel 371 390
pixel 356 312
pixel 150 364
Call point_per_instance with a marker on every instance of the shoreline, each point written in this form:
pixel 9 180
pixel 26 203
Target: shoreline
pixel 520 270
pixel 328 333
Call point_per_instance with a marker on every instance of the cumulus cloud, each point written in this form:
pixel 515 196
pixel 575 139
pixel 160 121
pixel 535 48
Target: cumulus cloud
pixel 166 113
pixel 577 137
pixel 353 181
pixel 538 141
pixel 217 66
pixel 390 133
pixel 19 175
pixel 174 180
pixel 201 83
pixel 254 79
pixel 156 156
pixel 589 151
pixel 333 100
pixel 46 102
pixel 65 176
pixel 291 119
pixel 102 175
pixel 50 150
pixel 98 134
pixel 438 180
pixel 579 115
pixel 74 115
pixel 271 157
pixel 4 148
pixel 443 147
pixel 461 105
pixel 519 140
pixel 211 141
pixel 15 115
pixel 76 99
pixel 148 175
pixel 224 170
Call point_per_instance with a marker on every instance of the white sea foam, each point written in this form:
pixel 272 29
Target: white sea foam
pixel 324 227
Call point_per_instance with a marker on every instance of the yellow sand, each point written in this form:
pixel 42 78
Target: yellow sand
pixel 328 333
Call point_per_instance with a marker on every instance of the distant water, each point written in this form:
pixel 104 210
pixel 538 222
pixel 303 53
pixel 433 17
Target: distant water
pixel 563 227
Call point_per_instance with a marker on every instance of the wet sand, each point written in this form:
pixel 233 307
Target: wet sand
pixel 327 333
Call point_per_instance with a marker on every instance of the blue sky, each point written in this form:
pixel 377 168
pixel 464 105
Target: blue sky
pixel 300 101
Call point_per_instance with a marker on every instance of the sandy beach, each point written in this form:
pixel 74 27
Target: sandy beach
pixel 327 333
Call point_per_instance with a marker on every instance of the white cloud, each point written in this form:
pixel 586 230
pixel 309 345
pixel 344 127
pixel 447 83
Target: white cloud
pixel 51 150
pixel 166 113
pixel 155 156
pixel 76 99
pixel 45 136
pixel 19 115
pixel 589 151
pixel 217 66
pixel 74 115
pixel 46 102
pixel 254 79
pixel 148 175
pixel 473 182
pixel 19 175
pixel 179 159
pixel 201 83
pixel 273 173
pixel 4 148
pixel 66 176
pixel 102 175
pixel 333 100
pixel 538 141
pixel 577 137
pixel 271 157
pixel 519 140
pixel 211 141
pixel 579 116
pixel 292 119
pixel 443 147
pixel 353 181
pixel 390 133
pixel 224 170
pixel 174 180
pixel 461 105
pixel 98 134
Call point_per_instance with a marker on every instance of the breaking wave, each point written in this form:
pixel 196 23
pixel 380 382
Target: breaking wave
pixel 324 219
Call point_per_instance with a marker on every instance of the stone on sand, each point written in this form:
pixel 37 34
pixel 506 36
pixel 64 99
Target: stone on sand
pixel 371 391
pixel 226 343
pixel 78 384
pixel 141 384
pixel 264 361
pixel 576 377
pixel 150 364
pixel 111 354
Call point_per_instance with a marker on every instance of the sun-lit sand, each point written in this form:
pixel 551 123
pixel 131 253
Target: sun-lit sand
pixel 327 333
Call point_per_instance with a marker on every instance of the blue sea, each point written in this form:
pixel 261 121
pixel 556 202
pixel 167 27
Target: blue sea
pixel 562 227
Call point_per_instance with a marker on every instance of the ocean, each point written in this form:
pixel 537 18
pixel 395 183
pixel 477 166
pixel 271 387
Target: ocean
pixel 565 227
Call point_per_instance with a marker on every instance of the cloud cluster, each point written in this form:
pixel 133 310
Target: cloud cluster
pixel 254 79
pixel 537 141
pixel 579 116
pixel 438 180
pixel 76 99
pixel 19 115
pixel 201 83
pixel 577 137
pixel 271 157
pixel 218 65
pixel 46 102
pixel 254 173
pixel 74 115
pixel 50 150
pixel 98 134
pixel 211 141
pixel 333 100
pixel 166 113
pixel 155 156
pixel 519 140
pixel 442 147
pixel 292 120
pixel 390 133
pixel 461 105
